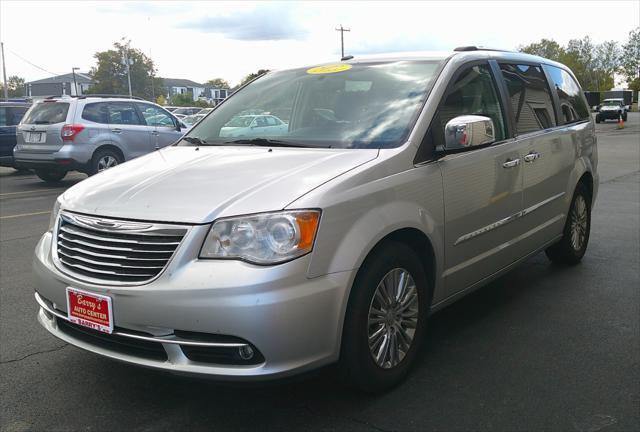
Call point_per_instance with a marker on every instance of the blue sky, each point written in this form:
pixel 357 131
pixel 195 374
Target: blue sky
pixel 203 40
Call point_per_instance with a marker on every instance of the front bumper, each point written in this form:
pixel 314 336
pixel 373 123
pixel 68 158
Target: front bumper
pixel 610 115
pixel 294 323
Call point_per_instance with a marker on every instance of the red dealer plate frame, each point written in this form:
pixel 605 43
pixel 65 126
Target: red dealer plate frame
pixel 87 309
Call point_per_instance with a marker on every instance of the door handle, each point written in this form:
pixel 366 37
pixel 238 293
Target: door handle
pixel 116 130
pixel 531 156
pixel 510 163
pixel 154 132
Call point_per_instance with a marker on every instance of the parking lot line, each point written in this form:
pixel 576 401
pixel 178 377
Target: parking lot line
pixel 25 214
pixel 31 191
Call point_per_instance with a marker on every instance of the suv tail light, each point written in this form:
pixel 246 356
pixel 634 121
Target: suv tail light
pixel 70 131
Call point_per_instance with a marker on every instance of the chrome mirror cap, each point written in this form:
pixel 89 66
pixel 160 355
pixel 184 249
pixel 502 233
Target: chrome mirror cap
pixel 468 131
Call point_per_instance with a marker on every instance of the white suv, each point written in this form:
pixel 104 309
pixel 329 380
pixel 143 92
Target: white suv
pixel 91 134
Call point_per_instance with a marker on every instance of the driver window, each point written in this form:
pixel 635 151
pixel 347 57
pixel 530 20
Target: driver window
pixel 473 93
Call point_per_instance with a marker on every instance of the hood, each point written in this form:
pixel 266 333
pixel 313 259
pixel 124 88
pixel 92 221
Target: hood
pixel 198 185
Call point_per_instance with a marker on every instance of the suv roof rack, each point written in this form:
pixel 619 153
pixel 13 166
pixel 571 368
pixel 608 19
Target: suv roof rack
pixel 105 96
pixel 478 48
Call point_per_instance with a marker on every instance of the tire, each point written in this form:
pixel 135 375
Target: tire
pixel 598 119
pixel 573 244
pixel 624 117
pixel 50 176
pixel 104 159
pixel 357 363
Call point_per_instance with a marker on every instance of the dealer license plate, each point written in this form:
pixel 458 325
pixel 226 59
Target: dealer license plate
pixel 90 310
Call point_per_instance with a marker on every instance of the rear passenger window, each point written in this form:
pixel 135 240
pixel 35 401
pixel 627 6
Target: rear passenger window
pixel 123 113
pixel 529 97
pixel 95 112
pixel 572 108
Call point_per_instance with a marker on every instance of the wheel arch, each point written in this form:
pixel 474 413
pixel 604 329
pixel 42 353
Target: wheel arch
pixel 111 147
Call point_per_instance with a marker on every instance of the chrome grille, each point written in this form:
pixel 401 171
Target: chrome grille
pixel 116 251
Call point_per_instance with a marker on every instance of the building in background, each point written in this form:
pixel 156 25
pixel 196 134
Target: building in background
pixel 59 85
pixel 196 90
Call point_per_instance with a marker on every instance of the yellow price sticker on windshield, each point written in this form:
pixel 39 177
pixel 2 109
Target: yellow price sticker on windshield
pixel 329 69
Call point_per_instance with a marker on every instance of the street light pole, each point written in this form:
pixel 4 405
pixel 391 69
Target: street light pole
pixel 128 64
pixel 75 84
pixel 4 75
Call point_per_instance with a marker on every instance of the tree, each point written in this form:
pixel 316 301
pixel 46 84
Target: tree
pixel 253 76
pixel 630 60
pixel 218 83
pixel 110 74
pixel 547 48
pixel 593 65
pixel 181 99
pixel 15 86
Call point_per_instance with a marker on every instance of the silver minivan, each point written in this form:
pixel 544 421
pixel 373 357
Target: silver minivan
pixel 91 134
pixel 399 185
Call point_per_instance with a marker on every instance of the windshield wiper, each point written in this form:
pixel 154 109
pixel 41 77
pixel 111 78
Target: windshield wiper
pixel 195 140
pixel 266 142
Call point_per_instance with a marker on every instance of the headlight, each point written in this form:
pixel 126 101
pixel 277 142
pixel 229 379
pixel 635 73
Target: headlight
pixel 266 238
pixel 54 214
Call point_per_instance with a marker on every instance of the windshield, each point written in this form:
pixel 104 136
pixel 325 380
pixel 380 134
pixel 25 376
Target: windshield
pixel 611 103
pixel 372 105
pixel 47 113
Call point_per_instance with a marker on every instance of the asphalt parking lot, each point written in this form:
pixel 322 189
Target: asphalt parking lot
pixel 543 347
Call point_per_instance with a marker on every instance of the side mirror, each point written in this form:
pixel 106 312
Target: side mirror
pixel 468 131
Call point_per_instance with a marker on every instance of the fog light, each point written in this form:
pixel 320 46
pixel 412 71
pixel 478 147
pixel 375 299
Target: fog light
pixel 246 352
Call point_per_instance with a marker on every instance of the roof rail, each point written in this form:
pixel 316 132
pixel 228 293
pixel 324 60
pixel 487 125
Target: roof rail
pixel 478 48
pixel 106 96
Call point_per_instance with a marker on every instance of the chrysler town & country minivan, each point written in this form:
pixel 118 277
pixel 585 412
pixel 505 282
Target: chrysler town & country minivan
pixel 399 185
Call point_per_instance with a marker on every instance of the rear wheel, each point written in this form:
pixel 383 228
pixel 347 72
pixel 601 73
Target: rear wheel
pixel 50 176
pixel 573 244
pixel 386 319
pixel 598 118
pixel 103 160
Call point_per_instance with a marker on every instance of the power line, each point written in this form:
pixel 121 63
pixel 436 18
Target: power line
pixel 32 64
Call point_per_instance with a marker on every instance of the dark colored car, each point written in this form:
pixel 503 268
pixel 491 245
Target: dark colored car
pixel 10 115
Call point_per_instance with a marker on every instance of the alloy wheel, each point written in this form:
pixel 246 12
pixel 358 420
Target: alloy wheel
pixel 107 162
pixel 393 318
pixel 578 223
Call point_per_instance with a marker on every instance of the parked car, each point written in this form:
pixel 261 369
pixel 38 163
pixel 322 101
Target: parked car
pixel 90 134
pixel 192 119
pixel 185 111
pixel 10 115
pixel 254 125
pixel 400 185
pixel 611 109
pixel 205 111
pixel 170 108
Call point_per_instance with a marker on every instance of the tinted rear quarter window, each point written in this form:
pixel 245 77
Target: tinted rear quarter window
pixel 47 113
pixel 11 116
pixel 572 105
pixel 529 97
pixel 95 112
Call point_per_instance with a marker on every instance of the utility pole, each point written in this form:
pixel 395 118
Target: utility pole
pixel 75 84
pixel 4 75
pixel 342 30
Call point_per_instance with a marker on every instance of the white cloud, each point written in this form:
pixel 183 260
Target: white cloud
pixel 203 40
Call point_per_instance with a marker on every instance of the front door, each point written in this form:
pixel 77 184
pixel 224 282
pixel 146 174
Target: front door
pixel 163 124
pixel 482 187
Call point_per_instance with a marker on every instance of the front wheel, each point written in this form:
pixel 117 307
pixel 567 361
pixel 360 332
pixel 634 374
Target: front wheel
pixel 50 176
pixel 598 118
pixel 386 318
pixel 573 244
